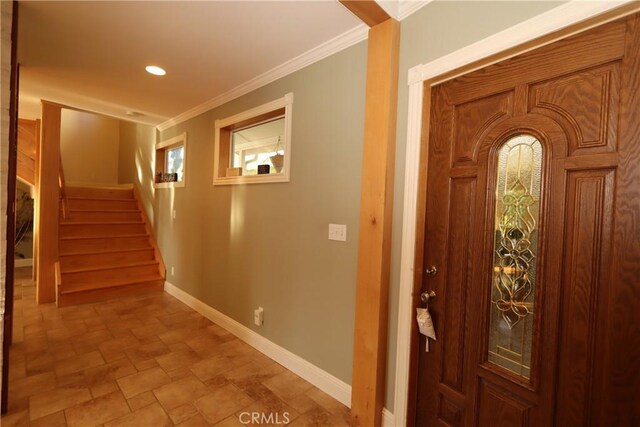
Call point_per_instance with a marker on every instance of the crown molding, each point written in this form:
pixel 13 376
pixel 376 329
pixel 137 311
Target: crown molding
pixel 409 7
pixel 335 45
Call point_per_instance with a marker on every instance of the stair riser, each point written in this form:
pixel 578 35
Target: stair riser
pixel 103 216
pixel 105 205
pixel 103 243
pixel 84 297
pixel 100 230
pixel 111 274
pixel 99 193
pixel 73 262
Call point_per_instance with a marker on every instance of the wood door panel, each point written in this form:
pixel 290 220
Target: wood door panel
pixel 586 102
pixel 585 263
pixel 485 111
pixel 580 98
pixel 461 217
pixel 603 44
pixel 499 409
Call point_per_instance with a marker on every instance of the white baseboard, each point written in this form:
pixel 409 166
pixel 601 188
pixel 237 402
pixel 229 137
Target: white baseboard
pixel 326 382
pixel 27 262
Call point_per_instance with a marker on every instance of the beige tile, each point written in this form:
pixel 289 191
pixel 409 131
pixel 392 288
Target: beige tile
pixel 151 415
pixel 17 419
pixel 178 359
pixel 183 413
pixel 196 421
pixel 147 351
pixel 209 368
pixel 231 421
pixel 221 403
pixel 179 392
pixel 141 400
pixel 104 387
pixel 53 420
pixel 327 402
pixel 49 402
pixel 28 386
pixel 143 381
pixel 287 385
pixel 79 363
pixel 315 417
pixel 97 411
pixel 205 345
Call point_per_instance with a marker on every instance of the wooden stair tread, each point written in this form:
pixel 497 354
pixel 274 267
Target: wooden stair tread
pixel 100 222
pixel 80 287
pixel 104 237
pixel 106 251
pixel 108 199
pixel 110 266
pixel 105 210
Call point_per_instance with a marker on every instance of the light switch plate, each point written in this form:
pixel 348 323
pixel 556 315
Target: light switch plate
pixel 338 232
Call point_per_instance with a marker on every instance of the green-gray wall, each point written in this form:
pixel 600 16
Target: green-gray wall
pixel 243 246
pixel 240 247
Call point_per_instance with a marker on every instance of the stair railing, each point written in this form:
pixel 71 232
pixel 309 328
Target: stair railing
pixel 63 192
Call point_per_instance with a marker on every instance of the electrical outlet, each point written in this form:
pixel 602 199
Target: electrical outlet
pixel 174 214
pixel 172 271
pixel 258 316
pixel 338 232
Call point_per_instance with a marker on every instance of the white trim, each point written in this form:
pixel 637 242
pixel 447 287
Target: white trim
pixel 388 420
pixel 335 45
pixel 556 19
pixel 326 382
pixel 563 16
pixel 407 254
pixel 27 262
pixel 176 140
pixel 285 102
pixel 407 8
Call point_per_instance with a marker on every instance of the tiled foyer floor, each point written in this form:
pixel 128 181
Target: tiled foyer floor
pixel 146 361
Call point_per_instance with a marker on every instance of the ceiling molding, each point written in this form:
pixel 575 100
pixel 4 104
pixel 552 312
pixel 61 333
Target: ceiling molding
pixel 335 45
pixel 409 7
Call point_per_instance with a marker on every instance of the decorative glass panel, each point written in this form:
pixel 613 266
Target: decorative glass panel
pixel 515 250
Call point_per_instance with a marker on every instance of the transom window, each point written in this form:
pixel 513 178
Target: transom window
pixel 254 146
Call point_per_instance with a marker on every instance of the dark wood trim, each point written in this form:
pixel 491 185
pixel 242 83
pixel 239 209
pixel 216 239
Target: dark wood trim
pixel 368 11
pixel 11 209
pixel 376 206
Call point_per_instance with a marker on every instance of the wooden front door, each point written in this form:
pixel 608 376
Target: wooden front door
pixel 533 233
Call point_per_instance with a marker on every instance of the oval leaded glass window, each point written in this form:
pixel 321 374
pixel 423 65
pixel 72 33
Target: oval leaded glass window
pixel 514 259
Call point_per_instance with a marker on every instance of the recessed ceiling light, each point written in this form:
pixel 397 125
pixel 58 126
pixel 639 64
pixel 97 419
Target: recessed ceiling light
pixel 155 70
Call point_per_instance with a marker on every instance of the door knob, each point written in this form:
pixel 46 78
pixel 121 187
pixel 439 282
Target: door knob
pixel 426 296
pixel 431 270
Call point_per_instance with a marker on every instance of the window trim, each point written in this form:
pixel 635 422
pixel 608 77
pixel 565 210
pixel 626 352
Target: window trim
pixel 243 120
pixel 160 154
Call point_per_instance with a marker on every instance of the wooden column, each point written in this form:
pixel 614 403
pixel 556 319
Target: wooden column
pixel 374 247
pixel 48 202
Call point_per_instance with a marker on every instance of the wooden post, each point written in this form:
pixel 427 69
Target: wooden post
pixel 48 206
pixel 374 247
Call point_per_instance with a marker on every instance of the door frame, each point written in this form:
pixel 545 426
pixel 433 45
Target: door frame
pixel 563 21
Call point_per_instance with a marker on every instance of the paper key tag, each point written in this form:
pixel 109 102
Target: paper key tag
pixel 425 325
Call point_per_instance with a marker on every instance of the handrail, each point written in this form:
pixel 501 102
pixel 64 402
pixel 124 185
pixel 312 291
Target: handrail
pixel 63 192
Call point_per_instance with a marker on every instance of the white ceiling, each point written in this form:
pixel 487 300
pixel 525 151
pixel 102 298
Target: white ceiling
pixel 92 55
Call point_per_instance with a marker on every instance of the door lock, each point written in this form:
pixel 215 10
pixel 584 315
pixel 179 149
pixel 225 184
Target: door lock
pixel 431 271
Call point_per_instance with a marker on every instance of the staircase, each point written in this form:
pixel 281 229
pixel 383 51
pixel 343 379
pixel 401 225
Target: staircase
pixel 106 247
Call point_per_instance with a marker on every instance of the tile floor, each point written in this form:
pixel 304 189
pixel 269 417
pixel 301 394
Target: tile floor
pixel 146 361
